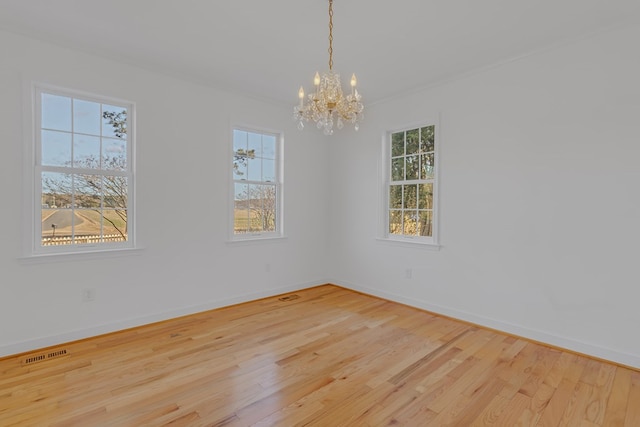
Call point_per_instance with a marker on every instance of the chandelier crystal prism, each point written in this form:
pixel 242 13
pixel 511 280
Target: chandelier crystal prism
pixel 327 105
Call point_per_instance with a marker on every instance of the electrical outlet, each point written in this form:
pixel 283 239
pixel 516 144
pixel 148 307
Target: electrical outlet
pixel 88 294
pixel 408 273
pixel 267 268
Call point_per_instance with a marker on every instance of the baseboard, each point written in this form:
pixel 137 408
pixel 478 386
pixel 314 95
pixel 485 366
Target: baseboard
pixel 587 349
pixel 80 334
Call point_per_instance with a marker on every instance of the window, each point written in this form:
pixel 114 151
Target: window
pixel 411 185
pixel 257 184
pixel 83 172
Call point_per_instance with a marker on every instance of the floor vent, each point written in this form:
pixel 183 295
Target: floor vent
pixel 289 297
pixel 41 357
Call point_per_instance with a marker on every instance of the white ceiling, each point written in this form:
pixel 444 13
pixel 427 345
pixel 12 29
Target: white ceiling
pixel 267 49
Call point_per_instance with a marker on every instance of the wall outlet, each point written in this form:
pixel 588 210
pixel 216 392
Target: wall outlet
pixel 88 294
pixel 267 268
pixel 408 273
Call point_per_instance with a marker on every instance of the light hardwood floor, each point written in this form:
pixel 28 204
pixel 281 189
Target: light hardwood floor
pixel 330 357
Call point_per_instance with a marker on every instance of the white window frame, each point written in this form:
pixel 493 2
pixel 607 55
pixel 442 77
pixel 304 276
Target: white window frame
pixel 279 185
pixel 384 233
pixel 33 181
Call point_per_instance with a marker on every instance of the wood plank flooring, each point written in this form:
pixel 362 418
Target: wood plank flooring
pixel 330 357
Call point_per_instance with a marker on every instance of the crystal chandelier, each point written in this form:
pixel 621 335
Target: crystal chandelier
pixel 327 105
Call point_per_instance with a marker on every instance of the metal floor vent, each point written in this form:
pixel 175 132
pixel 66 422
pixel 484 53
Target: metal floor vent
pixel 41 357
pixel 289 297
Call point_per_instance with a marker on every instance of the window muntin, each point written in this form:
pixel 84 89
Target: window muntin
pixel 83 172
pixel 256 184
pixel 411 184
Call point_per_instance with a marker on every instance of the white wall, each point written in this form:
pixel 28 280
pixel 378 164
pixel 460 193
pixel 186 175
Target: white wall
pixel 183 137
pixel 539 199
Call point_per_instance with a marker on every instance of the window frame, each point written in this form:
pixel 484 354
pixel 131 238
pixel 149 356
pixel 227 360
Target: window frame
pixel 34 170
pixel 249 237
pixel 386 182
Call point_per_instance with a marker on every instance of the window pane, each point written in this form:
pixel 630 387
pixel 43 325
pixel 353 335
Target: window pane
pixel 49 231
pixel 425 196
pixel 269 146
pixel 239 141
pixel 255 144
pixel 268 170
pixel 57 219
pixel 395 196
pixel 425 226
pixel 56 112
pixel 56 148
pixel 114 225
pixel 86 152
pixel 270 224
pixel 410 196
pixel 397 169
pixel 56 189
pixel 397 144
pixel 254 169
pixel 86 117
pixel 114 121
pixel 269 204
pixel 262 201
pixel 241 221
pixel 426 166
pixel 114 154
pixel 395 222
pixel 255 208
pixel 240 163
pixel 56 227
pixel 115 191
pixel 87 191
pixel 241 154
pixel 410 223
pixel 87 227
pixel 241 195
pixel 412 141
pixel 413 167
pixel 427 138
pixel 241 208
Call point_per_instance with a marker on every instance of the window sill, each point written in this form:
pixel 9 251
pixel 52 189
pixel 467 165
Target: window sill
pixel 409 243
pixel 86 255
pixel 253 240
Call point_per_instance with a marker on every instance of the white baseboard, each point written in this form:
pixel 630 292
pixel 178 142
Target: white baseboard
pixel 79 334
pixel 570 344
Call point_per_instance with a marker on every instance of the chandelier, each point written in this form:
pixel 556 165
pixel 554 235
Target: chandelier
pixel 327 105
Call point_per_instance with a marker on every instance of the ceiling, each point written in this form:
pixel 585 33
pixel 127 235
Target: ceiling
pixel 267 49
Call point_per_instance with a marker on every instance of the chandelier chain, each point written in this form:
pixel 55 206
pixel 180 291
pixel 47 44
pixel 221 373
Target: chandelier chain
pixel 330 34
